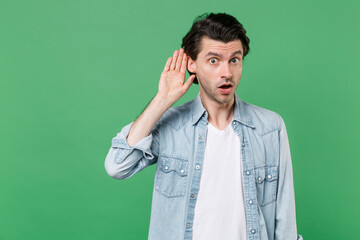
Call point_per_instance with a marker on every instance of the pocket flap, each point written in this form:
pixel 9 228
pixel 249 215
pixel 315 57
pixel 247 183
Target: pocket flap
pixel 271 174
pixel 168 164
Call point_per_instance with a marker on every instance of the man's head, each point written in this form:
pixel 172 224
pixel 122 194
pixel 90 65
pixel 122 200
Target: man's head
pixel 216 46
pixel 221 27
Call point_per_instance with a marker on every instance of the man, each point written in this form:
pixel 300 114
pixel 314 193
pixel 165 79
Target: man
pixel 223 165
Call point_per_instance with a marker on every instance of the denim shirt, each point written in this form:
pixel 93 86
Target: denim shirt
pixel 177 145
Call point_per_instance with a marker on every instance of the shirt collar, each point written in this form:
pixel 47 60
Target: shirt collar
pixel 241 113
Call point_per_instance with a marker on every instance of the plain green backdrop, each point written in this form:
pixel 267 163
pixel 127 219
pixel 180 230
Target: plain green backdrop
pixel 74 72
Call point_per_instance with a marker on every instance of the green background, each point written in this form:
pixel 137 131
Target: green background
pixel 73 73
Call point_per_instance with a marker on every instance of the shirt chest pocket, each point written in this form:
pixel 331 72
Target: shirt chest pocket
pixel 171 176
pixel 266 184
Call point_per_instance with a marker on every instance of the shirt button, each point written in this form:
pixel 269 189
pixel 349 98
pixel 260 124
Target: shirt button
pixel 197 166
pixel 259 178
pixel 250 202
pixel 188 225
pixel 182 170
pixel 253 231
pixel 200 138
pixel 192 195
pixel 234 122
pixel 166 167
pixel 269 176
pixel 247 173
pixel 243 144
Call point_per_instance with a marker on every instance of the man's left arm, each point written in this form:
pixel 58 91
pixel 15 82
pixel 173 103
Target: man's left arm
pixel 285 216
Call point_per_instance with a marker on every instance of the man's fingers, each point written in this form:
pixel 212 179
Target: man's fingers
pixel 174 59
pixel 167 64
pixel 184 63
pixel 179 60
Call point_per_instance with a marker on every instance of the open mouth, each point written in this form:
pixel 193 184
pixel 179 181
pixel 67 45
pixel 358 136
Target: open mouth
pixel 225 88
pixel 225 85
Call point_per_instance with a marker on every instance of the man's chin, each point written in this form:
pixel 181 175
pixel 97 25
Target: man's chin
pixel 219 97
pixel 225 98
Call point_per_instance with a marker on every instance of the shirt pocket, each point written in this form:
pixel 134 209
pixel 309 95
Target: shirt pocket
pixel 266 184
pixel 171 176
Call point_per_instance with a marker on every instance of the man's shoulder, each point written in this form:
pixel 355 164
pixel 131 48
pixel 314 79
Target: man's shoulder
pixel 265 120
pixel 178 116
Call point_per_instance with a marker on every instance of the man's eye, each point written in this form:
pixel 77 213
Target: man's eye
pixel 235 60
pixel 213 60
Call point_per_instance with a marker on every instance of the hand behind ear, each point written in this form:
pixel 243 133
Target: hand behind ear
pixel 171 84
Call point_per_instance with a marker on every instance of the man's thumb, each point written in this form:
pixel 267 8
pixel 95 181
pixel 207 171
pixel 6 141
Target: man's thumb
pixel 189 81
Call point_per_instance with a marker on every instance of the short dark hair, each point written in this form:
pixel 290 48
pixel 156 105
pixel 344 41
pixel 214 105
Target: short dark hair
pixel 220 26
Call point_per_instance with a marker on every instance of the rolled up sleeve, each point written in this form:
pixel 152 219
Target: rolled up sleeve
pixel 123 160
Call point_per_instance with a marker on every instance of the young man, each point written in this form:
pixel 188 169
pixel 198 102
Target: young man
pixel 223 165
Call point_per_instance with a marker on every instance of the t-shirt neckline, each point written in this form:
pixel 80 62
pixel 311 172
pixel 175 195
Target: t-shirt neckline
pixel 218 131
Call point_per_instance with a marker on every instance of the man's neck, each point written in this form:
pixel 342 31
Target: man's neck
pixel 219 114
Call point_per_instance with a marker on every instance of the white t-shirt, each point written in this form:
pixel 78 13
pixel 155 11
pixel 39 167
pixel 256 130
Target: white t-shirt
pixel 220 208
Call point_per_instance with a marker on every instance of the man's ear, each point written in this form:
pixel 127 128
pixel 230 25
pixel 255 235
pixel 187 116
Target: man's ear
pixel 191 65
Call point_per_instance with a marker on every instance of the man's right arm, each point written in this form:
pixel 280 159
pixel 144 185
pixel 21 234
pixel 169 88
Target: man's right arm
pixel 136 146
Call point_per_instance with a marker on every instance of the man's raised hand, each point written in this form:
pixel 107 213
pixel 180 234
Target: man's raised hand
pixel 171 84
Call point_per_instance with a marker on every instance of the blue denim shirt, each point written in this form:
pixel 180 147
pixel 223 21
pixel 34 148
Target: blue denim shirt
pixel 177 145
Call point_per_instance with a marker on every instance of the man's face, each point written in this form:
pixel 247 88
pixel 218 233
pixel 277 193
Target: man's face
pixel 218 68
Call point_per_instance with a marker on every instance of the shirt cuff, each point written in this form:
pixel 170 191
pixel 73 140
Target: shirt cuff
pixel 143 145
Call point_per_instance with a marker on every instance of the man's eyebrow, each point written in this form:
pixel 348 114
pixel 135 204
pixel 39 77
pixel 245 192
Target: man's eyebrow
pixel 219 55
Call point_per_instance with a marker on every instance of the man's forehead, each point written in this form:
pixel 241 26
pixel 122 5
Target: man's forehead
pixel 210 46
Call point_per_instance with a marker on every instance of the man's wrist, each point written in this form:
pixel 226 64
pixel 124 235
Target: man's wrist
pixel 162 102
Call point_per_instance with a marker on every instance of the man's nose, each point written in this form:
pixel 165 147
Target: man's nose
pixel 225 70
